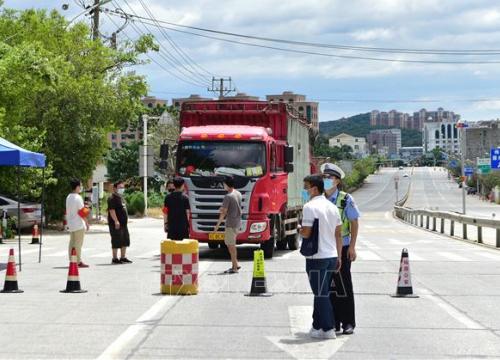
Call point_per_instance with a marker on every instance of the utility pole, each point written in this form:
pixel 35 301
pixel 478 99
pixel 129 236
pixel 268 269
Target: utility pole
pixel 218 87
pixel 462 159
pixel 95 20
pixel 145 162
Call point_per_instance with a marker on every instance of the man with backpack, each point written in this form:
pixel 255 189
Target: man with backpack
pixel 343 296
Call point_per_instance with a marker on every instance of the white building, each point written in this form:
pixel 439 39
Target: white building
pixel 442 134
pixel 357 144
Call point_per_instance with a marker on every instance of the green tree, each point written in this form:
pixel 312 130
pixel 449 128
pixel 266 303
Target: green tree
pixel 123 163
pixel 61 93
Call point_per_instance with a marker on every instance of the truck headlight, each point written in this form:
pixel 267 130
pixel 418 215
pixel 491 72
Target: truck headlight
pixel 258 227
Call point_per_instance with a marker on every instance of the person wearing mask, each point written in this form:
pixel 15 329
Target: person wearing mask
pixel 117 222
pixel 320 266
pixel 349 214
pixel 170 186
pixel 76 213
pixel 176 212
pixel 231 211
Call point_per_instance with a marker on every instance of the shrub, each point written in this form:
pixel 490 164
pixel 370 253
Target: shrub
pixel 155 200
pixel 135 203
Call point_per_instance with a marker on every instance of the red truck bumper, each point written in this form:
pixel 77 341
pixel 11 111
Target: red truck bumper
pixel 243 238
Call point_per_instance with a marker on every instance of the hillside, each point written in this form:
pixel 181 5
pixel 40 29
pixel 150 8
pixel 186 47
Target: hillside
pixel 359 125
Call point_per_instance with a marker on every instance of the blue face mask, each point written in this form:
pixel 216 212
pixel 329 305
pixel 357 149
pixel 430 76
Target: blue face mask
pixel 305 195
pixel 328 184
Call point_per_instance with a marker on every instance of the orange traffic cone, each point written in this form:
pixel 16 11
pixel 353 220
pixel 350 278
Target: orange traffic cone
pixel 35 235
pixel 73 284
pixel 404 288
pixel 10 285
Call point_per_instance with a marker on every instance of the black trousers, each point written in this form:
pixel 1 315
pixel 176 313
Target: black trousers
pixel 342 295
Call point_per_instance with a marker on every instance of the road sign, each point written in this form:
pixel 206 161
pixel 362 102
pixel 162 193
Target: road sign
pixel 453 163
pixel 483 165
pixel 468 171
pixel 495 158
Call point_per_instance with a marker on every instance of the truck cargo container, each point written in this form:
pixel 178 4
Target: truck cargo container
pixel 267 151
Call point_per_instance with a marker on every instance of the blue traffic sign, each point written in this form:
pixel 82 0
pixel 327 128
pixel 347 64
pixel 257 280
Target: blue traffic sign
pixel 495 159
pixel 468 171
pixel 453 163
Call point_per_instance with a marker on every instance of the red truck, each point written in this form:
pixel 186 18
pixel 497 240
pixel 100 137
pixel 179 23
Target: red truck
pixel 265 148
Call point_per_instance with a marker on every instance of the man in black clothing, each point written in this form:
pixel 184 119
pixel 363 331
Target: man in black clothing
pixel 117 222
pixel 176 212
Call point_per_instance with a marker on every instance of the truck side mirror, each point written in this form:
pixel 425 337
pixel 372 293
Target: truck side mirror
pixel 288 168
pixel 288 154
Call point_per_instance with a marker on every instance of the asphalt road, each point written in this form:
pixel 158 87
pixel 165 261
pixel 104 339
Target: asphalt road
pixel 432 190
pixel 122 316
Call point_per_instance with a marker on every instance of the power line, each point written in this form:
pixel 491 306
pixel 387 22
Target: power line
pixel 189 60
pixel 158 63
pixel 338 46
pixel 306 52
pixel 170 59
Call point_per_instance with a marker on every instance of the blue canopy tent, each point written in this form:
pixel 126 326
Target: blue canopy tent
pixel 13 155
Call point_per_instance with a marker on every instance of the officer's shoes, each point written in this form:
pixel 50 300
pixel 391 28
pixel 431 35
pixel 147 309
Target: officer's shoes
pixel 330 334
pixel 316 334
pixel 348 330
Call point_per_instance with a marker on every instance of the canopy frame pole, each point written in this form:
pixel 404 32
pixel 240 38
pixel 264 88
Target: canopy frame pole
pixel 19 214
pixel 41 217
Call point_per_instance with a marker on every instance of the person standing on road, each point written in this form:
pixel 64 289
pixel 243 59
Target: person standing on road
pixel 349 214
pixel 170 186
pixel 176 212
pixel 231 211
pixel 320 266
pixel 117 222
pixel 76 213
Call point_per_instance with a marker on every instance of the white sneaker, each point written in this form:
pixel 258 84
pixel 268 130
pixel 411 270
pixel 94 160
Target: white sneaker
pixel 330 334
pixel 316 334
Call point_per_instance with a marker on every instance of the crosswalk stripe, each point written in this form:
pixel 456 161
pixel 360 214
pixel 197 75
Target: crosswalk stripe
pixel 368 255
pixel 370 245
pixel 452 256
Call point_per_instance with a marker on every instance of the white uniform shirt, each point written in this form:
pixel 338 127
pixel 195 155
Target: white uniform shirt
pixel 74 203
pixel 329 218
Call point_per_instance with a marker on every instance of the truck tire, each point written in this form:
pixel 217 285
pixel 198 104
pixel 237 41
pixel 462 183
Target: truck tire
pixel 268 248
pixel 213 245
pixel 293 241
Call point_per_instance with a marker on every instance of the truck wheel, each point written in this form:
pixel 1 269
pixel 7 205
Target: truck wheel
pixel 268 248
pixel 213 245
pixel 281 245
pixel 293 241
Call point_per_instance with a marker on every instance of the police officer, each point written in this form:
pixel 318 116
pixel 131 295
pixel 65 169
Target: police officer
pixel 343 296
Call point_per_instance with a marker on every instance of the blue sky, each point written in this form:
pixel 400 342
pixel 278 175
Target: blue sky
pixel 342 86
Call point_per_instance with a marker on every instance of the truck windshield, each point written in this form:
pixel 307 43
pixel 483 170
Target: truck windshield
pixel 208 158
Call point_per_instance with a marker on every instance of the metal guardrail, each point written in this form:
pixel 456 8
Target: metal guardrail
pixel 416 217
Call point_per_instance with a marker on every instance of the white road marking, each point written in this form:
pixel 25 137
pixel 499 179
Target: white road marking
pixel 103 255
pixel 368 255
pixel 149 254
pixel 451 310
pixel 397 242
pixel 59 253
pixel 299 345
pixel 413 256
pixel 35 251
pixel 138 331
pixel 370 245
pixel 453 257
pixel 488 255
